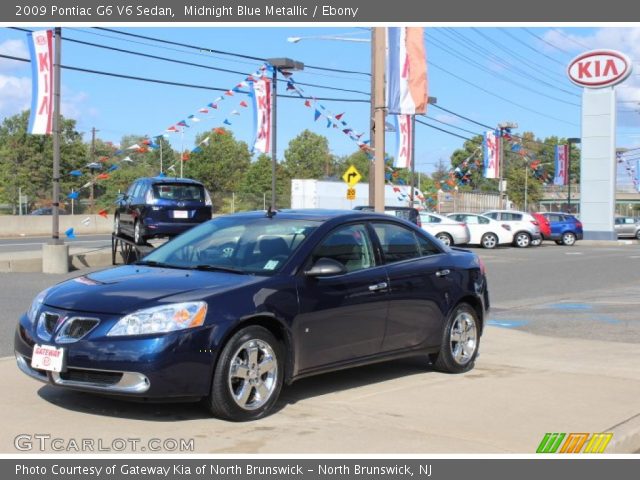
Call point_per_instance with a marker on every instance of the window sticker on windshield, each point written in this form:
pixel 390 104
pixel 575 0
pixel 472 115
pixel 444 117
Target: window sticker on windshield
pixel 271 264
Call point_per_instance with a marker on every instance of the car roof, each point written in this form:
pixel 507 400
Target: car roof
pixel 187 181
pixel 314 214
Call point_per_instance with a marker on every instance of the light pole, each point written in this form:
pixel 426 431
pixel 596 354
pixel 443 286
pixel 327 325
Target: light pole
pixel 277 64
pixel 570 141
pixel 502 127
pixel 431 101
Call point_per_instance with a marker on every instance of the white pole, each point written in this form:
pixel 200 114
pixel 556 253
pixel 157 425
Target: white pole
pixel 181 151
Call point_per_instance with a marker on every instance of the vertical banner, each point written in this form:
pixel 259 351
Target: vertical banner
pixel 406 71
pixel 491 155
pixel 562 163
pixel 41 49
pixel 636 178
pixel 404 136
pixel 261 89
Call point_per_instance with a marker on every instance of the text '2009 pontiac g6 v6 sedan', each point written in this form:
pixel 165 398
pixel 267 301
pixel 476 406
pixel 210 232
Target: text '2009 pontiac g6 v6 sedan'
pixel 238 306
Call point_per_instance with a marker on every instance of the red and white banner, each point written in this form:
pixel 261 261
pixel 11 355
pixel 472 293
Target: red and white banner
pixel 406 70
pixel 404 134
pixel 562 165
pixel 41 48
pixel 491 155
pixel 261 89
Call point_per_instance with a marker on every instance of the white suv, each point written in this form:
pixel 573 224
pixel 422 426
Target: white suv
pixel 525 228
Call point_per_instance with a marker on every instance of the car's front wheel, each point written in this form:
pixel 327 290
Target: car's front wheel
pixel 460 341
pixel 522 240
pixel 248 376
pixel 116 225
pixel 489 240
pixel 445 238
pixel 137 233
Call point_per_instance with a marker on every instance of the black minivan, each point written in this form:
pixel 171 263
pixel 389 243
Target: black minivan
pixel 161 207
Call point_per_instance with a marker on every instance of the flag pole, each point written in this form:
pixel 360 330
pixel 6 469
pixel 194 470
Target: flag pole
pixel 181 151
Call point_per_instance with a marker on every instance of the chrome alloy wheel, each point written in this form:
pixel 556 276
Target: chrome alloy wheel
pixel 523 240
pixel 253 374
pixel 463 338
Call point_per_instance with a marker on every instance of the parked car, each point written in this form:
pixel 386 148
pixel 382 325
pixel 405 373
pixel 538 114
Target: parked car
pixel 525 228
pixel 445 229
pixel 545 226
pixel 484 231
pixel 406 213
pixel 161 207
pixel 238 306
pixel 564 228
pixel 627 227
pixel 48 211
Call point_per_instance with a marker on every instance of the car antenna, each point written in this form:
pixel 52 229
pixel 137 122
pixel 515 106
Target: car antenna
pixel 271 212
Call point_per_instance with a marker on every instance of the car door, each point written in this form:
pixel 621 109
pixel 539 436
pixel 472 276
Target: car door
pixel 419 278
pixel 342 317
pixel 556 224
pixel 126 220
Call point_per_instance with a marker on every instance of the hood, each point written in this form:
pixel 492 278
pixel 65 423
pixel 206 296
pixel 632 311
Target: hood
pixel 125 289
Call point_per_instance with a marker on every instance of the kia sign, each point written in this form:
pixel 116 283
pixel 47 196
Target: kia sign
pixel 599 68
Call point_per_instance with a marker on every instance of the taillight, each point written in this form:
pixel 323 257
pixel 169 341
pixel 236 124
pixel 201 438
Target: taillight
pixel 534 222
pixel 207 199
pixel 578 224
pixel 483 269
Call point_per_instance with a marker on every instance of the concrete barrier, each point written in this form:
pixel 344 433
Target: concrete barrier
pixel 30 225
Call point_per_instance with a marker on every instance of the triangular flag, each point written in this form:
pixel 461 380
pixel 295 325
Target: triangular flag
pixel 285 73
pixel 316 115
pixel 235 112
pixel 172 129
pixel 86 221
pixel 205 141
pixel 103 213
pixel 220 131
pixel 204 110
pixel 118 152
pixel 196 150
pixel 244 104
pixel 86 185
pixel 290 85
pixel 242 84
pixel 75 173
pixel 112 168
pixel 218 99
pixel 182 123
pixel 135 146
pixel 69 233
pixel 329 122
pixel 250 78
pixel 339 116
pixel 307 103
pixel 103 176
pixel 229 93
pixel 127 159
pixel 73 196
pixel 213 105
pixel 146 141
pixel 226 121
pixel 193 118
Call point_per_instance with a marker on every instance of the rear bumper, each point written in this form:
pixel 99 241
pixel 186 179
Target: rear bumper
pixel 160 229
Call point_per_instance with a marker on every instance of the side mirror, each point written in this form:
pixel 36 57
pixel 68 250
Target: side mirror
pixel 325 267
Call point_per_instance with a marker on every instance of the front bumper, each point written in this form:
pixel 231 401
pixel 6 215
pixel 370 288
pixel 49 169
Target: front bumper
pixel 173 365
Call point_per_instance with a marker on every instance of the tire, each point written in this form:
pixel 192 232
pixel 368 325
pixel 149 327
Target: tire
pixel 522 240
pixel 489 240
pixel 638 235
pixel 568 239
pixel 453 357
pixel 445 238
pixel 138 238
pixel 559 242
pixel 536 243
pixel 236 396
pixel 116 225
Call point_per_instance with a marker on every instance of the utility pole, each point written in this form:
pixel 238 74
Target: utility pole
pixel 378 100
pixel 372 121
pixel 93 159
pixel 274 135
pixel 55 231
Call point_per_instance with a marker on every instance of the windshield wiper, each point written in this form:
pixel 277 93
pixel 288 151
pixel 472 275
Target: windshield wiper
pixel 153 263
pixel 217 268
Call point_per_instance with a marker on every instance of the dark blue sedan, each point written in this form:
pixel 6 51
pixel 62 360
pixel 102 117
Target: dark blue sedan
pixel 238 306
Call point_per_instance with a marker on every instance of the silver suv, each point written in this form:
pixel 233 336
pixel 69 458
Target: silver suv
pixel 627 227
pixel 525 228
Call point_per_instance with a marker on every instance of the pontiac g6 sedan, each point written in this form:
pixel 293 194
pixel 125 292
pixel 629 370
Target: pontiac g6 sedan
pixel 238 306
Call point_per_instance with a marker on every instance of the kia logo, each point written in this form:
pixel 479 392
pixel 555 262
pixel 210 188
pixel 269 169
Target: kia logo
pixel 599 68
pixel 41 40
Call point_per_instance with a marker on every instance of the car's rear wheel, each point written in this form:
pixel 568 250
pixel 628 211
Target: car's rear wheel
pixel 489 240
pixel 638 234
pixel 116 225
pixel 559 242
pixel 460 341
pixel 536 243
pixel 445 238
pixel 568 239
pixel 522 240
pixel 248 376
pixel 137 233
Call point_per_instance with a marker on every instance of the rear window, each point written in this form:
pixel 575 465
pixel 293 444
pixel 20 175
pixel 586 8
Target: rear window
pixel 178 192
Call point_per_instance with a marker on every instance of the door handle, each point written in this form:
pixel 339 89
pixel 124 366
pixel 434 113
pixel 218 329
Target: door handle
pixel 443 273
pixel 378 286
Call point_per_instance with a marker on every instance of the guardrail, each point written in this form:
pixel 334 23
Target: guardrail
pixel 40 225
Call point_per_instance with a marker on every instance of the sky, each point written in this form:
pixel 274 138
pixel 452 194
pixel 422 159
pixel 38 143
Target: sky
pixel 489 75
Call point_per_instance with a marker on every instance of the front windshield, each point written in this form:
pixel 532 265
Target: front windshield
pixel 259 245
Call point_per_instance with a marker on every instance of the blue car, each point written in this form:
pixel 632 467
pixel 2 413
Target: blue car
pixel 234 308
pixel 161 207
pixel 565 228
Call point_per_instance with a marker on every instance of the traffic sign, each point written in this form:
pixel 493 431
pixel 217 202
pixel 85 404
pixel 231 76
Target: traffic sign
pixel 351 176
pixel 351 193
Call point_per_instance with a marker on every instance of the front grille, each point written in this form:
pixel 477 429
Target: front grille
pixel 91 376
pixel 49 321
pixel 76 328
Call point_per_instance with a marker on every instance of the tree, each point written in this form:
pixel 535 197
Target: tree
pixel 221 164
pixel 441 173
pixel 26 161
pixel 469 159
pixel 308 156
pixel 358 159
pixel 256 184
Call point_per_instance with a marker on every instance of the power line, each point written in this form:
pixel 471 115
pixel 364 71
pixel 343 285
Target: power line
pixel 451 125
pixel 222 52
pixel 542 39
pixel 182 84
pixel 570 38
pixel 478 65
pixel 421 122
pixel 462 116
pixel 522 42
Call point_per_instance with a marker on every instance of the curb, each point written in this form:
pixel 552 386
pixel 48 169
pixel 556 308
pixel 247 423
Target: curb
pixel 77 261
pixel 607 243
pixel 626 436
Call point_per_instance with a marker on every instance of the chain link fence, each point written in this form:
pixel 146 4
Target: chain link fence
pixel 232 202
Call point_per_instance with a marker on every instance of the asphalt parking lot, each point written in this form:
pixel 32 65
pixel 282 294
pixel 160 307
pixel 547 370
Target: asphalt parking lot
pixel 560 354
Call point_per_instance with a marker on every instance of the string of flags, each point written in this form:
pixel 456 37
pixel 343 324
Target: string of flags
pixel 631 167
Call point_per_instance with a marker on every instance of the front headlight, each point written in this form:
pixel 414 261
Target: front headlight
pixel 37 302
pixel 162 319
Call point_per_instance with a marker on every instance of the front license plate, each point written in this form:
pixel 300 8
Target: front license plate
pixel 180 214
pixel 46 357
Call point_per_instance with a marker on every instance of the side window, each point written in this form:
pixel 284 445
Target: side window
pixel 512 217
pixel 138 190
pixel 398 243
pixel 349 245
pixel 493 215
pixel 482 220
pixel 132 189
pixel 470 219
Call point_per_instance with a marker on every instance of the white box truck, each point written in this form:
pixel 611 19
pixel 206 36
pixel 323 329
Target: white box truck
pixel 333 195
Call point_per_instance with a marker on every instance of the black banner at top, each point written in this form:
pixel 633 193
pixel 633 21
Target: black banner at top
pixel 314 11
